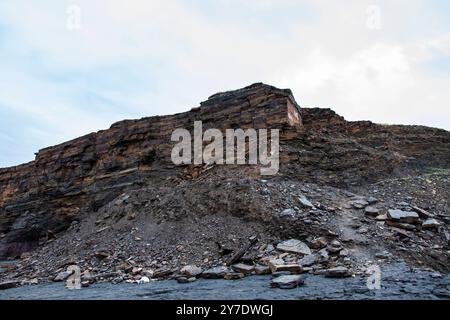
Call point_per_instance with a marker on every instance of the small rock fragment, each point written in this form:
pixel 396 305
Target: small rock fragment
pixel 294 246
pixel 287 282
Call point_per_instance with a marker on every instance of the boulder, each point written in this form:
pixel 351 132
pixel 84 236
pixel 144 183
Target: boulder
pixel 294 246
pixel 215 273
pixel 243 268
pixel 234 276
pixel 371 211
pixel 305 202
pixel 9 285
pixel 422 213
pixel 359 204
pixel 191 271
pixel 430 224
pixel 399 225
pixel 308 260
pixel 319 243
pixel 161 273
pixel 261 270
pixel 288 213
pixel 287 282
pixel 338 272
pixel 403 216
pixel 274 263
pixel 334 247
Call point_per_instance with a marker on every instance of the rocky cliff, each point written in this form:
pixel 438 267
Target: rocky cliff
pixel 42 198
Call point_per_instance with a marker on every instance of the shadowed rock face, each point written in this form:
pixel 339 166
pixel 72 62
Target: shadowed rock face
pixel 44 196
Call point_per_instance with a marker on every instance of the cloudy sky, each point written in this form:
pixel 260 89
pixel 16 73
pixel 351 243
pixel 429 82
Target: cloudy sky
pixel 68 68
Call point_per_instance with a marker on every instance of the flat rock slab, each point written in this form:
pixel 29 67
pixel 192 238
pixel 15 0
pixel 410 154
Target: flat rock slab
pixel 291 268
pixel 371 211
pixel 260 270
pixel 287 282
pixel 338 272
pixel 403 216
pixel 294 246
pixel 308 260
pixel 305 202
pixel 430 224
pixel 234 276
pixel 215 273
pixel 191 271
pixel 9 285
pixel 243 268
pixel 359 204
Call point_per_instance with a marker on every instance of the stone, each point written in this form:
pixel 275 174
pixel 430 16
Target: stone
pixel 291 268
pixel 343 253
pixel 102 254
pixel 319 243
pixel 233 276
pixel 359 204
pixel 294 246
pixel 430 224
pixel 161 273
pixel 422 213
pixel 308 260
pixel 243 268
pixel 287 282
pixel 9 285
pixel 338 272
pixel 382 217
pixel 383 255
pixel 191 271
pixel 215 273
pixel 274 263
pixel 305 202
pixel 136 270
pixel 371 211
pixel 182 280
pixel 399 225
pixel 143 280
pixel 323 254
pixel 372 200
pixel 403 216
pixel 334 247
pixel 288 213
pixel 262 270
pixel 447 220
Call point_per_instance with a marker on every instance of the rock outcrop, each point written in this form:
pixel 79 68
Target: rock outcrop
pixel 42 198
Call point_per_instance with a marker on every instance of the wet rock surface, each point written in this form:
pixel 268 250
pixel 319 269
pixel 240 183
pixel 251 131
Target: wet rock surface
pixel 398 282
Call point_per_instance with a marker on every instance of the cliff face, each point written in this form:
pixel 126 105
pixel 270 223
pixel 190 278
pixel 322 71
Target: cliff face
pixel 43 197
pixel 88 172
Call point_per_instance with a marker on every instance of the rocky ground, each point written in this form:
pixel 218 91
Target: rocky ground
pixel 220 225
pixel 111 206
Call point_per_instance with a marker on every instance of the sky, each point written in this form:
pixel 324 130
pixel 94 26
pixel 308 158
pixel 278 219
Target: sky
pixel 68 68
